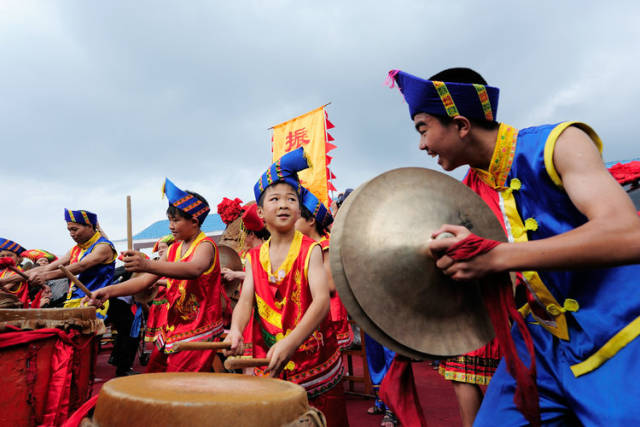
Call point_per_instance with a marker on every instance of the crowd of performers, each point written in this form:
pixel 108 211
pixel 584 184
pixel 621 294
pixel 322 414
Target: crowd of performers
pixel 572 352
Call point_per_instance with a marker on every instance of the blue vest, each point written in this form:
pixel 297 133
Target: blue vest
pixel 608 299
pixel 97 276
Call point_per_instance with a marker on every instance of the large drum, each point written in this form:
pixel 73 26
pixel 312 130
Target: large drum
pixel 201 399
pixel 47 361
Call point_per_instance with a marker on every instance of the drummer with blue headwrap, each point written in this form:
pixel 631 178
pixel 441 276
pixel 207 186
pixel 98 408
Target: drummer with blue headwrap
pixel 92 259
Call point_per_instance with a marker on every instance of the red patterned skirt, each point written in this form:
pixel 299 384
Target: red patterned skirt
pixel 476 367
pixel 157 315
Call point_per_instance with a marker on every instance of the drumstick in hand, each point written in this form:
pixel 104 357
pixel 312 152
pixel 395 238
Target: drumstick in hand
pixel 75 281
pixel 202 345
pixel 6 262
pixel 129 227
pixel 236 363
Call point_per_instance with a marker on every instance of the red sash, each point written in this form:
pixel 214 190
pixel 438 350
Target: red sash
pixel 194 311
pixel 281 300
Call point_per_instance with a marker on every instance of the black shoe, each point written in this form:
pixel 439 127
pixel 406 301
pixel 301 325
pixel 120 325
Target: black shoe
pixel 126 373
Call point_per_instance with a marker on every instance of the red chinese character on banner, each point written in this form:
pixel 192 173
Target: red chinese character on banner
pixel 296 139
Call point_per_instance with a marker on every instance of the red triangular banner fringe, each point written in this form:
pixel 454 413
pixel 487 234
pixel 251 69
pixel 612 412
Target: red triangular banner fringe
pixel 329 137
pixel 329 158
pixel 330 186
pixel 329 146
pixel 330 175
pixel 326 117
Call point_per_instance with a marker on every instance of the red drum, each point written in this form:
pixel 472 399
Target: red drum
pixel 47 362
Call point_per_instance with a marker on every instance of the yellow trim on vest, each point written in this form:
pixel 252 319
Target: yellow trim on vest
pixel 501 159
pixel 519 234
pixel 607 351
pixel 86 245
pixel 308 258
pixel 191 248
pixel 215 258
pixel 550 145
pixel 285 267
pixel 268 314
pixel 77 302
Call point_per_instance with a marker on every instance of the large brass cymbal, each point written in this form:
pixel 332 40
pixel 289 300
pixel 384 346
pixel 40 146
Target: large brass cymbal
pixel 382 238
pixel 344 291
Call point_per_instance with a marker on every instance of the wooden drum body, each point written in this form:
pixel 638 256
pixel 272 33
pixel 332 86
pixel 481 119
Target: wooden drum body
pixel 200 399
pixel 47 361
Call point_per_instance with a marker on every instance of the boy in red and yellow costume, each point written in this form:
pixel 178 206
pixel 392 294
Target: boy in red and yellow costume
pixel 291 302
pixel 192 269
pixel 314 223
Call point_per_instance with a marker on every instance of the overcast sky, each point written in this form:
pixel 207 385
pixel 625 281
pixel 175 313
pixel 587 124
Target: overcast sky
pixel 103 99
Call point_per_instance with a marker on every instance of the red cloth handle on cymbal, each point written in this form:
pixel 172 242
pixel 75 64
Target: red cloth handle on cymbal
pixel 498 298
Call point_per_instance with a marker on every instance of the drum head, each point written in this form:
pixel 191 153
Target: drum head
pixel 195 399
pixel 384 275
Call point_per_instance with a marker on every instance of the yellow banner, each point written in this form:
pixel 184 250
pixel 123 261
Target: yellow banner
pixel 306 131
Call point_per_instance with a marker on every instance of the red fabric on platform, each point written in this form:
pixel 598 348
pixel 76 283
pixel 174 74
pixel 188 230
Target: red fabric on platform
pixel 63 387
pixel 75 419
pixel 501 306
pixel 333 405
pixel 398 392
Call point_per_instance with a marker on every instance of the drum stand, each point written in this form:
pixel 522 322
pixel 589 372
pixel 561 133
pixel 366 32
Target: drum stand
pixel 350 376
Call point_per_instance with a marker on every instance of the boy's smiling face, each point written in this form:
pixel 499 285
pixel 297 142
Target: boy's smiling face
pixel 438 140
pixel 280 207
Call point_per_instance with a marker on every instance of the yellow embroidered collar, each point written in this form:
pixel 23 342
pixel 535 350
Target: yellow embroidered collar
pixel 285 268
pixel 501 159
pixel 191 248
pixel 91 241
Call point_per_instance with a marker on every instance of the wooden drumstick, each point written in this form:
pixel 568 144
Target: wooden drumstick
pixel 75 281
pixel 202 345
pixel 236 363
pixel 129 227
pixel 6 262
pixel 18 272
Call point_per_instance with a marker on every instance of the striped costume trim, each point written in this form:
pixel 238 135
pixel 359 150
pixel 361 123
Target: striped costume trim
pixel 447 100
pixel 170 343
pixel 484 100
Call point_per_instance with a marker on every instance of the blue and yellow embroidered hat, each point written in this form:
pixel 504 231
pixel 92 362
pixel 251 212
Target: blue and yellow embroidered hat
pixel 184 201
pixel 10 245
pixel 471 100
pixel 317 208
pixel 81 217
pixel 285 169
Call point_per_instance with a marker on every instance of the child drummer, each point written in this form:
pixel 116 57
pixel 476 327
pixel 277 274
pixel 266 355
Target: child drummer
pixel 314 223
pixel 192 270
pixel 287 284
pixel 10 281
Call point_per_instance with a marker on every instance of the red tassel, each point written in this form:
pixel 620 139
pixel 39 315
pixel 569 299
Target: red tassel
pixel 329 158
pixel 330 186
pixel 330 175
pixel 329 146
pixel 329 124
pixel 329 137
